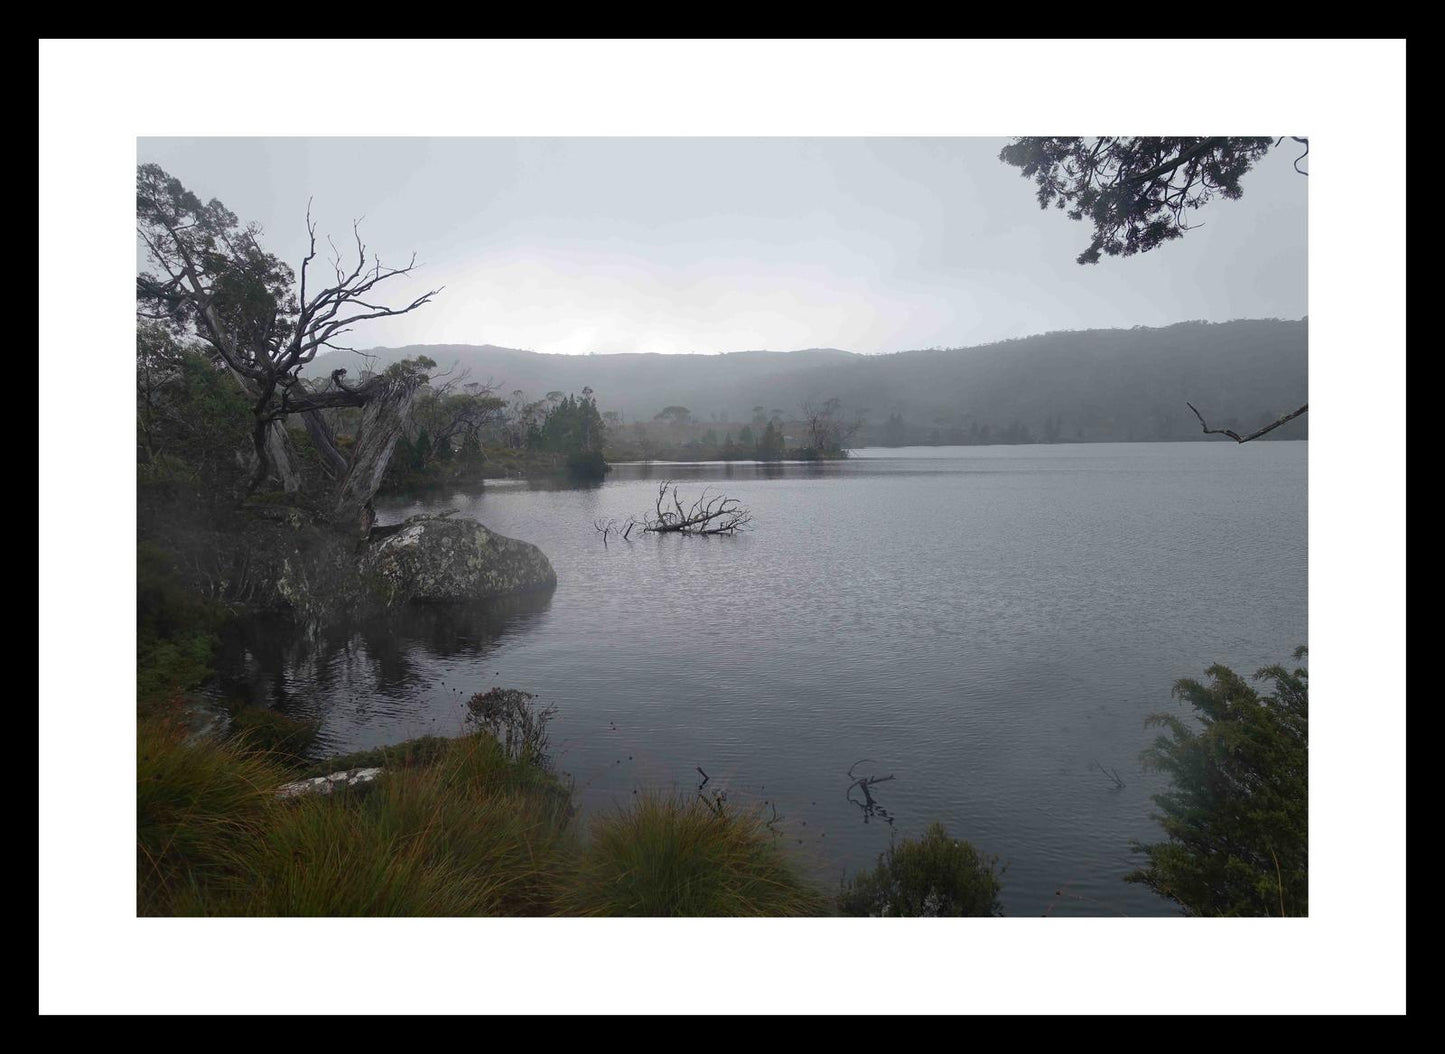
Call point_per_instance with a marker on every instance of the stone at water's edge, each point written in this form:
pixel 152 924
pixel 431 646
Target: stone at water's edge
pixel 327 784
pixel 434 559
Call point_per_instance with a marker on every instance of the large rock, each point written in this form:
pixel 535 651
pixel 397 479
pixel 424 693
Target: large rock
pixel 433 559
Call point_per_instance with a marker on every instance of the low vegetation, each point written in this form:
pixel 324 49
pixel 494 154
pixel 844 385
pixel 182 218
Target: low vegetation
pixel 935 875
pixel 262 730
pixel 464 826
pixel 1237 814
pixel 175 632
pixel 460 437
pixel 668 855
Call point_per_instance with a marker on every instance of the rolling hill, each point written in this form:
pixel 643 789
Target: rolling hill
pixel 1072 386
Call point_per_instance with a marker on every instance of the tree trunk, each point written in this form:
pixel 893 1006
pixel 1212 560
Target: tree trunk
pixel 271 457
pixel 382 423
pixel 325 442
pixel 278 452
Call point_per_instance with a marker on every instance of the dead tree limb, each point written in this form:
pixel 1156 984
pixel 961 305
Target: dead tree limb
pixel 1112 775
pixel 718 514
pixel 1253 435
pixel 869 806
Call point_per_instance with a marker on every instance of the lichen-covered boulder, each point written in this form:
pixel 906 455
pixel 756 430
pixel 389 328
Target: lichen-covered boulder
pixel 434 559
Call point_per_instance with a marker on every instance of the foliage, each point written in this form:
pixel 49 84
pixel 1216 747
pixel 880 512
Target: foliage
pixel 572 425
pixel 669 856
pixel 771 445
pixel 213 282
pixel 251 296
pixel 587 464
pixel 649 441
pixel 192 422
pixel 197 805
pixel 1136 191
pixel 453 827
pixel 935 875
pixel 574 428
pixel 472 833
pixel 512 720
pixel 413 753
pixel 468 833
pixel 262 730
pixel 1237 816
pixel 421 450
pixel 829 433
pixel 175 631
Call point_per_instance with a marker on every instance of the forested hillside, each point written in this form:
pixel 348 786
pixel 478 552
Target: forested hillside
pixel 1085 386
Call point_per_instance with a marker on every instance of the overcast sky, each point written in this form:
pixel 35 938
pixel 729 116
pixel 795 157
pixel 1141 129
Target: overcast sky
pixel 707 245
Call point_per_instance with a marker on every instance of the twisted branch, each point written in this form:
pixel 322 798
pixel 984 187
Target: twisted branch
pixel 1253 435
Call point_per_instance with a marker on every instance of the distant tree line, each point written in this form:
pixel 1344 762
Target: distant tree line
pixel 1108 385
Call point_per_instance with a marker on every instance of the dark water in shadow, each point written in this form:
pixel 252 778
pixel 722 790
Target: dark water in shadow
pixel 985 625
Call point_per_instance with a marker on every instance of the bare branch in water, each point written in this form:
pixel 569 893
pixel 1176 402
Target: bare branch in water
pixel 1111 774
pixel 718 514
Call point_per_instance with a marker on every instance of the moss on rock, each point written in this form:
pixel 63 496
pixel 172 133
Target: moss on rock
pixel 432 559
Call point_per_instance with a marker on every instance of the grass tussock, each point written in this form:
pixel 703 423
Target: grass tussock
pixel 671 856
pixel 455 827
pixel 470 833
pixel 414 753
pixel 198 806
pixel 264 731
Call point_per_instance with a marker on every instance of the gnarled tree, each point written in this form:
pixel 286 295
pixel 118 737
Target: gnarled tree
pixel 266 323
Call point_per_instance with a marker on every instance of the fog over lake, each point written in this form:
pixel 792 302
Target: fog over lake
pixel 988 625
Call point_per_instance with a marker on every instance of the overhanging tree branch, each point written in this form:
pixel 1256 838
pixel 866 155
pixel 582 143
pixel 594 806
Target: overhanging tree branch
pixel 1253 435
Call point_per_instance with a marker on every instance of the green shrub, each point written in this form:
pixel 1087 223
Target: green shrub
pixel 266 731
pixel 935 875
pixel 587 465
pixel 511 718
pixel 1237 815
pixel 667 856
pixel 175 631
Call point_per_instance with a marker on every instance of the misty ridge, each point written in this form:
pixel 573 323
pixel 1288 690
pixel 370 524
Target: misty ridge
pixel 1099 385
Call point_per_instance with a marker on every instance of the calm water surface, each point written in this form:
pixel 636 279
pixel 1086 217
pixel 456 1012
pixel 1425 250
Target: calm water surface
pixel 985 624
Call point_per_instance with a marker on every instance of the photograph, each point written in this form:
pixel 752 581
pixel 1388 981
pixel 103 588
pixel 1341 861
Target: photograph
pixel 700 525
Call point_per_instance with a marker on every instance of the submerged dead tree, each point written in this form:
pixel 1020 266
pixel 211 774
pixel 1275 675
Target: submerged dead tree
pixel 266 324
pixel 718 514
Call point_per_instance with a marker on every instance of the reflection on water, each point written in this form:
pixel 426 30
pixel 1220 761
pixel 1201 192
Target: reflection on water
pixel 362 681
pixel 991 624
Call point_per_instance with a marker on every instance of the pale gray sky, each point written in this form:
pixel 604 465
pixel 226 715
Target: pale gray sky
pixel 707 245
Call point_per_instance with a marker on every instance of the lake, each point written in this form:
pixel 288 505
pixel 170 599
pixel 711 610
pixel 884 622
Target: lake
pixel 987 625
